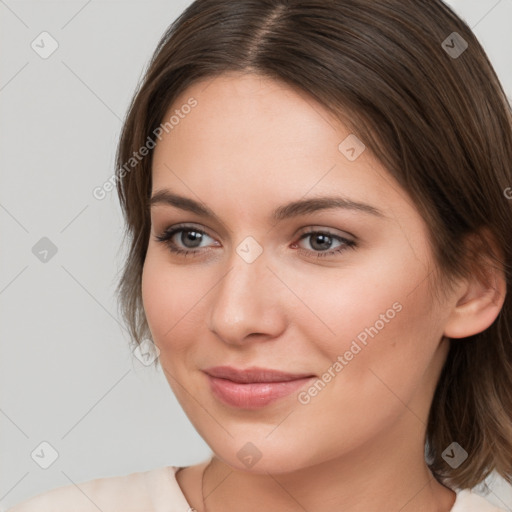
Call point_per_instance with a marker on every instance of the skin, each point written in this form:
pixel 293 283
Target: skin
pixel 250 145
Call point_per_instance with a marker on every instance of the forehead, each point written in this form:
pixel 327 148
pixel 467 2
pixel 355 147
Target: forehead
pixel 255 141
pixel 244 111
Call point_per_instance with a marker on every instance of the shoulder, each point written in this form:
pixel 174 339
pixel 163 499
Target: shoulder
pixel 469 501
pixel 134 492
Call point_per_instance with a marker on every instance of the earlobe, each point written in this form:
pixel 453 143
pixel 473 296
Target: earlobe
pixel 478 301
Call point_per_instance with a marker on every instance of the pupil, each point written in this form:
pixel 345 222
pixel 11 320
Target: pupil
pixel 322 238
pixel 190 236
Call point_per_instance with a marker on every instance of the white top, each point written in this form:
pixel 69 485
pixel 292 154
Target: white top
pixel 157 490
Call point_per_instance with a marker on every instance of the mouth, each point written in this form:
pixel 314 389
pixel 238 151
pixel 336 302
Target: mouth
pixel 253 388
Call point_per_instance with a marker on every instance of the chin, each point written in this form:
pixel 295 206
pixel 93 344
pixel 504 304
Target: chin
pixel 264 457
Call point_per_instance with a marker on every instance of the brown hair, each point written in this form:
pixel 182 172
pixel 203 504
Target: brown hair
pixel 438 119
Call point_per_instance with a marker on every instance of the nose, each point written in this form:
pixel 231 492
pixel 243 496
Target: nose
pixel 247 303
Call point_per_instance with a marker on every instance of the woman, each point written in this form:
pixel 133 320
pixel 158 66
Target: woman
pixel 317 197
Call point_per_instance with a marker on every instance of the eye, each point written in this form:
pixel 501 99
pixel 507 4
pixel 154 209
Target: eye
pixel 183 239
pixel 186 240
pixel 321 243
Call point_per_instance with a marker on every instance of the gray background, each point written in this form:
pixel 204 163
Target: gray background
pixel 67 374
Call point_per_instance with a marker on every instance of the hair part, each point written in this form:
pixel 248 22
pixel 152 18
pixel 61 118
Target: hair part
pixel 441 126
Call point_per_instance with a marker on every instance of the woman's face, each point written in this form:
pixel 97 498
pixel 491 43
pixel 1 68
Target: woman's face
pixel 340 293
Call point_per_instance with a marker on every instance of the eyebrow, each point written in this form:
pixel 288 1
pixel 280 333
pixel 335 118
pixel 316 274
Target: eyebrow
pixel 286 211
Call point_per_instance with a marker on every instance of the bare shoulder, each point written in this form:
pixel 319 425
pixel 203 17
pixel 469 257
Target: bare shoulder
pixel 127 493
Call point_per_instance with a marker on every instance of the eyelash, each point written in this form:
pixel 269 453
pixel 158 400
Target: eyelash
pixel 167 235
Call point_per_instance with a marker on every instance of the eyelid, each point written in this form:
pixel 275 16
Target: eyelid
pixel 168 228
pixel 328 231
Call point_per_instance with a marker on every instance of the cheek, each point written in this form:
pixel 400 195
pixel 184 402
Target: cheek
pixel 366 390
pixel 377 315
pixel 171 299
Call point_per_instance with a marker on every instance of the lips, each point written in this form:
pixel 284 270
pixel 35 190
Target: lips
pixel 253 374
pixel 253 388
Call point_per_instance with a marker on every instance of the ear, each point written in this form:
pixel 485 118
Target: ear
pixel 480 297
